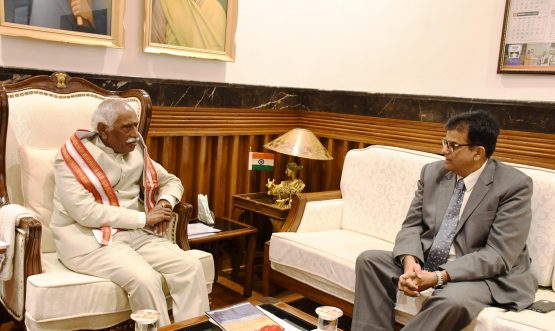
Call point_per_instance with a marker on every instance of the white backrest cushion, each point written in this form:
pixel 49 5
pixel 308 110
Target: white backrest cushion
pixel 541 240
pixel 43 119
pixel 37 182
pixel 377 185
pixel 321 215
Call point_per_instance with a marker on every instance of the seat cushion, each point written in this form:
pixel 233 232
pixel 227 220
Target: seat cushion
pixel 377 185
pixel 88 295
pixel 331 253
pixel 527 319
pixel 37 185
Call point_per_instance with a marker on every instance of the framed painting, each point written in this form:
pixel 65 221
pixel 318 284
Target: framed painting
pixel 528 38
pixel 195 28
pixel 88 22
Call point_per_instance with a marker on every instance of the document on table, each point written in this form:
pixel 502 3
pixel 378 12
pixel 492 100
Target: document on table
pixel 196 230
pixel 242 316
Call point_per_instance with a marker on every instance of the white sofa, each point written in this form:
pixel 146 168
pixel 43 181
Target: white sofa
pixel 326 231
pixel 42 112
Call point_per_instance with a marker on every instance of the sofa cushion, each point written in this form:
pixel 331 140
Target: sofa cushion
pixel 321 215
pixel 28 109
pixel 542 231
pixel 37 184
pixel 88 295
pixel 375 203
pixel 527 319
pixel 331 253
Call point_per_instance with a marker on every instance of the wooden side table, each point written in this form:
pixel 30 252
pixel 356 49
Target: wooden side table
pixel 260 203
pixel 231 230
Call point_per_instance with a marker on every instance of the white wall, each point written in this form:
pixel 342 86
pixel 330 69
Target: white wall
pixel 429 47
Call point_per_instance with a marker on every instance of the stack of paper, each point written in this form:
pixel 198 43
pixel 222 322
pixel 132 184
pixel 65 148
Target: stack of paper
pixel 197 230
pixel 241 317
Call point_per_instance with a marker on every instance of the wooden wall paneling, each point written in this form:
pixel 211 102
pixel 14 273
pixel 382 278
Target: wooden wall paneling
pixel 328 169
pixel 243 164
pixel 177 155
pixel 152 145
pixel 187 169
pixel 202 170
pixel 371 130
pixel 219 121
pixel 312 170
pixel 168 154
pixel 233 174
pixel 219 179
pixel 535 149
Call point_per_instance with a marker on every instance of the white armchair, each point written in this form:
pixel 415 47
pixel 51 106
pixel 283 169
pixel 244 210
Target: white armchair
pixel 37 116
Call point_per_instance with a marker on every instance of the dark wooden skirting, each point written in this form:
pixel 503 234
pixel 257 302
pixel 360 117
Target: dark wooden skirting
pixel 208 147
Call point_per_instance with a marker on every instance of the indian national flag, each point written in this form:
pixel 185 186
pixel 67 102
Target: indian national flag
pixel 261 161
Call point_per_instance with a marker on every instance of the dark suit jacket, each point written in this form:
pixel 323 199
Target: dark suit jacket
pixel 490 242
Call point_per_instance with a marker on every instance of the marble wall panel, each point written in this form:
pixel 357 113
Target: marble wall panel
pixel 512 115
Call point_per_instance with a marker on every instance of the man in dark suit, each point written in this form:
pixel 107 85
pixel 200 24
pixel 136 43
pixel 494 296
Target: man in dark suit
pixel 464 238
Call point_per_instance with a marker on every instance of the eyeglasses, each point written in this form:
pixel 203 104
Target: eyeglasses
pixel 452 146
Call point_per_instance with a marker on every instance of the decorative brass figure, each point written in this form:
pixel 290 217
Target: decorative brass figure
pixel 284 190
pixel 61 78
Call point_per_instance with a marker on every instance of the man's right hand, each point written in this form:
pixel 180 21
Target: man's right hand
pixel 158 214
pixel 409 280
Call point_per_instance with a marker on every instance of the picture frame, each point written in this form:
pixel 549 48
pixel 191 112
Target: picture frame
pixel 101 23
pixel 187 28
pixel 528 38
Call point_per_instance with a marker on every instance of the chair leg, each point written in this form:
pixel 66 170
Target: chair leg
pixel 267 288
pixel 7 322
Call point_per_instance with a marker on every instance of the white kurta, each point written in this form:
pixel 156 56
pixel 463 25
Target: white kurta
pixel 137 260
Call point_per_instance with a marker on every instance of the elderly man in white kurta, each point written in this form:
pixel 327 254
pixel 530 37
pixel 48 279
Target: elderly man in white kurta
pixel 112 204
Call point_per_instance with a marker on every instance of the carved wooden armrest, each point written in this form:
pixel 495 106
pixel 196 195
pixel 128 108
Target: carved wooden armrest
pixel 184 211
pixel 298 204
pixel 33 231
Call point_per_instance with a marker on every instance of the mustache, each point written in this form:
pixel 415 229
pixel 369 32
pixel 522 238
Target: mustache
pixel 132 140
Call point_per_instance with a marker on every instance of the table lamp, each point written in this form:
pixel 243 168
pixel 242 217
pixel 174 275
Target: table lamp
pixel 299 143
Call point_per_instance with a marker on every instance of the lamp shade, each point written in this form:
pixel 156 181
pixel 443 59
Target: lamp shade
pixel 299 142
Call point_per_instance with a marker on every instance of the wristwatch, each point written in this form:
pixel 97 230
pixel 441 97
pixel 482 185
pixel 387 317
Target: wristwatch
pixel 439 276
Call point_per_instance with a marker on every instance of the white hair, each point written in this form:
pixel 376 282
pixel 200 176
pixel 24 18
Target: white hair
pixel 107 113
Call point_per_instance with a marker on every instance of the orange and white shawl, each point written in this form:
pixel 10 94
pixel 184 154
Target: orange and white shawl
pixel 89 173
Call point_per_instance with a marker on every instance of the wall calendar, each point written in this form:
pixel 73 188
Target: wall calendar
pixel 528 39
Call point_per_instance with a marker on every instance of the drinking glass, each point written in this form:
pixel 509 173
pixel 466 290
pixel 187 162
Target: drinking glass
pixel 328 317
pixel 146 320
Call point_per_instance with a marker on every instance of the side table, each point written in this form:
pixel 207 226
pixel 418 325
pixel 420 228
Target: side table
pixel 260 203
pixel 231 230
